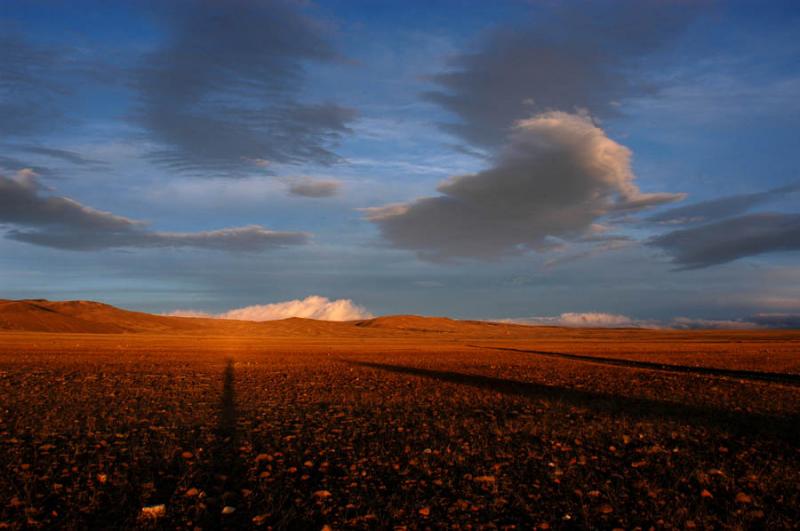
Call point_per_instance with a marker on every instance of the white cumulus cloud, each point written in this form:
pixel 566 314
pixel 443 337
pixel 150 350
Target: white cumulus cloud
pixel 312 307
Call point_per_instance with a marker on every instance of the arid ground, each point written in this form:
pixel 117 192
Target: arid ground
pixel 117 419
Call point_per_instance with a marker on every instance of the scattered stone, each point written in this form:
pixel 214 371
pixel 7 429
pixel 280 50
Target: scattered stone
pixel 260 519
pixel 153 512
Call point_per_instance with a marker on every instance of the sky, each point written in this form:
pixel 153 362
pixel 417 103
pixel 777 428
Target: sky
pixel 600 163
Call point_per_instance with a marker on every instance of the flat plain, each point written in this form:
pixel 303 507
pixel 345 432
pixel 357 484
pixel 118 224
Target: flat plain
pixel 113 419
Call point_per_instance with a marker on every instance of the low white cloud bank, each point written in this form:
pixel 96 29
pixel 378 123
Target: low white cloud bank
pixel 312 307
pixel 584 320
pixel 611 320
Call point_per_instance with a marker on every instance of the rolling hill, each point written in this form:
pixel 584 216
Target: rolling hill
pixel 40 315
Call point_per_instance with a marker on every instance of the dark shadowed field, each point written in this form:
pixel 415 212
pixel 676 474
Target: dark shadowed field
pixel 401 424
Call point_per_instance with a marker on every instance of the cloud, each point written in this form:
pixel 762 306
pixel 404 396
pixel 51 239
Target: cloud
pixel 687 323
pixel 219 95
pixel 307 187
pixel 15 165
pixel 21 202
pixel 722 207
pixel 611 320
pixel 61 154
pixel 39 81
pixel 558 174
pixel 584 56
pixel 28 93
pixel 584 320
pixel 595 319
pixel 312 307
pixel 777 320
pixel 730 239
pixel 54 221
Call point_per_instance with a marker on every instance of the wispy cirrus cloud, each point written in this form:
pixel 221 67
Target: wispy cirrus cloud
pixel 29 90
pixel 64 155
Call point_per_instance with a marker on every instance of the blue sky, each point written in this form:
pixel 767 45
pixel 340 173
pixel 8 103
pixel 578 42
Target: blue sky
pixel 472 159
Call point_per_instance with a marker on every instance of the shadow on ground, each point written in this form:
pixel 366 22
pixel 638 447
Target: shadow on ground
pixel 781 427
pixel 775 377
pixel 225 470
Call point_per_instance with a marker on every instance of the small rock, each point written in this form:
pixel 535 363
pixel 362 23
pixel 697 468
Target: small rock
pixel 153 511
pixel 743 498
pixel 260 519
pixel 228 509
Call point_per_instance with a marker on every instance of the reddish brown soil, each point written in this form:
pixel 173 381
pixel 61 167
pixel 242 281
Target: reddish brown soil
pixel 399 421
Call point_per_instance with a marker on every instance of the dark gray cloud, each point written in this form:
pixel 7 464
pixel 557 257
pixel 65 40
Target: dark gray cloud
pixel 556 178
pixel 33 216
pixel 582 56
pixel 527 98
pixel 730 239
pixel 307 187
pixel 220 94
pixel 777 320
pixel 21 202
pixel 721 208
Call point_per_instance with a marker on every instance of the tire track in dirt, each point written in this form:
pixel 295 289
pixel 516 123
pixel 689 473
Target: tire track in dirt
pixel 773 377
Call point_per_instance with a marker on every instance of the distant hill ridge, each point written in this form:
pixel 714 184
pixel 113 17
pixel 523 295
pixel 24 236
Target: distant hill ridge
pixel 80 316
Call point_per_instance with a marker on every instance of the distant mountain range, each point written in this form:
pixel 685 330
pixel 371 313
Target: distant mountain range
pixel 40 315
